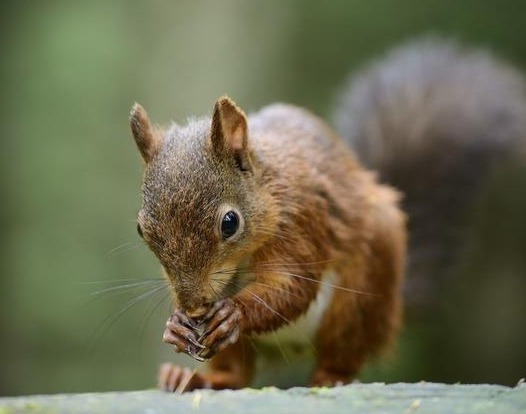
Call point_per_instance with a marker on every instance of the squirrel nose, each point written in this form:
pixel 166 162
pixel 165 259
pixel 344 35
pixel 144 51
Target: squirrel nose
pixel 193 305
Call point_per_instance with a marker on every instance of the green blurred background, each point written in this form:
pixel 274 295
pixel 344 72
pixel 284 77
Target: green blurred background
pixel 70 173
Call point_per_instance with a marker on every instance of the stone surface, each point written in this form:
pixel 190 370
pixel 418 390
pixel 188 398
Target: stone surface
pixel 417 398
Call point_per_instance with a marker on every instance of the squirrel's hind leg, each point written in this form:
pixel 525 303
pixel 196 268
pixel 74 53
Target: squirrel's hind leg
pixel 365 313
pixel 231 368
pixel 340 346
pixel 354 327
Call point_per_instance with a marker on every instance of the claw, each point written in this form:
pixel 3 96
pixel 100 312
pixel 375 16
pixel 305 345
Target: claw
pixel 184 320
pixel 211 312
pixel 194 342
pixel 206 354
pixel 189 324
pixel 203 336
pixel 194 355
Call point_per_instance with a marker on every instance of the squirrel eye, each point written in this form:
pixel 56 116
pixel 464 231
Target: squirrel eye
pixel 229 224
pixel 139 230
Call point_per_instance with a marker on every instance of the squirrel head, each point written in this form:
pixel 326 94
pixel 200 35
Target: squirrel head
pixel 204 210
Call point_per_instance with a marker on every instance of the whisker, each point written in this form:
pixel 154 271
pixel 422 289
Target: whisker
pixel 329 284
pixel 231 271
pixel 255 282
pixel 139 299
pixel 152 309
pixel 124 247
pixel 277 268
pixel 224 284
pixel 288 321
pixel 292 238
pixel 281 348
pixel 292 264
pixel 240 285
pixel 274 311
pixel 273 265
pixel 108 322
pixel 154 242
pixel 273 231
pixel 92 282
pixel 119 290
pixel 127 286
pixel 213 290
pixel 277 289
pixel 262 302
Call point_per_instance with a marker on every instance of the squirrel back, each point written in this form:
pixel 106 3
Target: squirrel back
pixel 434 120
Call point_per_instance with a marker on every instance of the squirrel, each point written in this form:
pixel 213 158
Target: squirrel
pixel 266 222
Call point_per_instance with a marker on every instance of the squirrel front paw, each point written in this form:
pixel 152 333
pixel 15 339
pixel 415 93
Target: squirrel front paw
pixel 202 339
pixel 181 332
pixel 221 327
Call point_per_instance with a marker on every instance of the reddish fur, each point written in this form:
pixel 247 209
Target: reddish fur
pixel 320 211
pixel 428 107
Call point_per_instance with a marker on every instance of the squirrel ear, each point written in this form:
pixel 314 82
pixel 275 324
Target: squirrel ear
pixel 146 137
pixel 229 132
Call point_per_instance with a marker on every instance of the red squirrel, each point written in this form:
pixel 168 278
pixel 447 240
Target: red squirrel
pixel 266 221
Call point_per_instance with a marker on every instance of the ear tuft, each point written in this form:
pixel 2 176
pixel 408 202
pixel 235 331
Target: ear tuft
pixel 146 136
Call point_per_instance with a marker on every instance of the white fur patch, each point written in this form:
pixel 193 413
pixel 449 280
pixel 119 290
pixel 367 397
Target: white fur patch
pixel 297 338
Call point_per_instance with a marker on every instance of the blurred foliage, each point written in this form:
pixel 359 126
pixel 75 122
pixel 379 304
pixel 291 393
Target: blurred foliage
pixel 70 173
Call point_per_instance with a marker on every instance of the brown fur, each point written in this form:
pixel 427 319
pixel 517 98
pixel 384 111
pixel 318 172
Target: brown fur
pixel 308 208
pixel 432 118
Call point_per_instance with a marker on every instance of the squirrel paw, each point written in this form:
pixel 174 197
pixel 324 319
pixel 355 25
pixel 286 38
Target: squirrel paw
pixel 221 327
pixel 173 378
pixel 181 332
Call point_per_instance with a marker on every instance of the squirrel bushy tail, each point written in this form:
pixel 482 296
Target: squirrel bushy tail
pixel 434 120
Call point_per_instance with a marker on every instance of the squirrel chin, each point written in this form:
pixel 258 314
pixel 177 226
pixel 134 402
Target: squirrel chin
pixel 197 313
